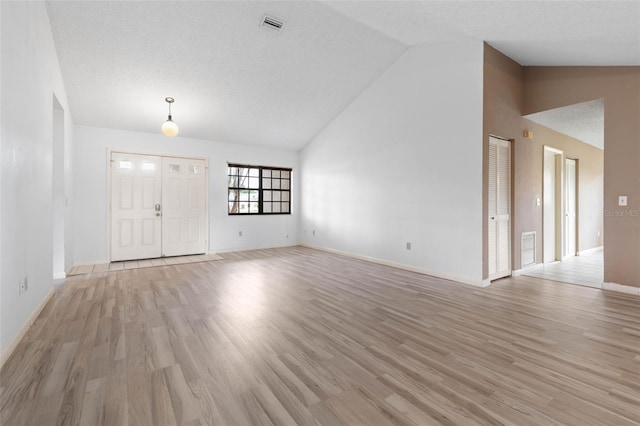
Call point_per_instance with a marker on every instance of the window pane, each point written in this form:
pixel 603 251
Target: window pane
pixel 243 182
pixel 233 194
pixel 285 208
pixel 253 207
pixel 266 207
pixel 266 195
pixel 276 207
pixel 275 173
pixel 285 174
pixel 174 168
pixel 266 183
pixel 254 182
pixel 148 166
pixel 276 195
pixel 285 196
pixel 285 184
pixel 244 195
pixel 243 208
pixel 233 170
pixel 266 173
pixel 194 170
pixel 233 181
pixel 253 195
pixel 254 172
pixel 275 183
pixel 233 207
pixel 126 165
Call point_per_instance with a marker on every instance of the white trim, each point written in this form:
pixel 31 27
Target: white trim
pixel 60 276
pixel 621 288
pixel 483 283
pixel 232 250
pixel 13 344
pixel 589 251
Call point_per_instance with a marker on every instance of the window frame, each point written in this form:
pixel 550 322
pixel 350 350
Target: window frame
pixel 260 189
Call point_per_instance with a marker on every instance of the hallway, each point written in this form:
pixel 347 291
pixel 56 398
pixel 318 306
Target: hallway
pixel 586 270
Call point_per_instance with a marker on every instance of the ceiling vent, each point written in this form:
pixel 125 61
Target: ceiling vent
pixel 272 23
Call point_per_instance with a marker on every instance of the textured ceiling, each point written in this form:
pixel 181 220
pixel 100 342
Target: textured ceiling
pixel 583 121
pixel 603 32
pixel 232 79
pixel 236 81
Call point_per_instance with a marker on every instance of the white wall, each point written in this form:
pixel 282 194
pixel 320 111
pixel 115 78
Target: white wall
pixel 403 163
pixel 90 189
pixel 30 78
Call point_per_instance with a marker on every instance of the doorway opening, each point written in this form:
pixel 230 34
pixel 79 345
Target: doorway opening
pixel 552 201
pixel 570 208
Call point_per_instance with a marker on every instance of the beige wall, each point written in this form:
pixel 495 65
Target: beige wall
pixel 528 159
pixel 502 116
pixel 504 100
pixel 552 87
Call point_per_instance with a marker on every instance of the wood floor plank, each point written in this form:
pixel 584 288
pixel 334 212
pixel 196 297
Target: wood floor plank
pixel 299 336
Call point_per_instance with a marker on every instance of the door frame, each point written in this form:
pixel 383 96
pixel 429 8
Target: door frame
pixel 559 202
pixel 108 195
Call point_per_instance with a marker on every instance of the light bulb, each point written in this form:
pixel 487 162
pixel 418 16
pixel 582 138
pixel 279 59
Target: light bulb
pixel 169 128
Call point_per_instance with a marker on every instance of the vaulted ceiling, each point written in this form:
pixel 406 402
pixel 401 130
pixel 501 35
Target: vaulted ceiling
pixel 234 80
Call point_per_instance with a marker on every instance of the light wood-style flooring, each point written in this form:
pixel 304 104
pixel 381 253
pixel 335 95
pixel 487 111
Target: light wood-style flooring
pixel 298 336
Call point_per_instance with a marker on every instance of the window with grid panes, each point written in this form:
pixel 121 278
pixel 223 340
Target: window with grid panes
pixel 259 190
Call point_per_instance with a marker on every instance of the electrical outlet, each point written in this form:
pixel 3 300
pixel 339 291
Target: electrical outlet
pixel 23 285
pixel 239 233
pixel 408 246
pixel 313 232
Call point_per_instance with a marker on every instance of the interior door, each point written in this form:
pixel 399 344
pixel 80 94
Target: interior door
pixel 570 207
pixel 135 201
pixel 552 202
pixel 499 195
pixel 184 229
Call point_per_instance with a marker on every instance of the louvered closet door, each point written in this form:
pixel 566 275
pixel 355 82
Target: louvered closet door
pixel 499 192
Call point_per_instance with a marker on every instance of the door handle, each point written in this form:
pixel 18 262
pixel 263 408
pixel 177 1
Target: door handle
pixel 158 210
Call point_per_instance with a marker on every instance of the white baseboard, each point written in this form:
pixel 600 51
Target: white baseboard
pixel 589 251
pixel 483 283
pixel 232 250
pixel 621 288
pixel 8 350
pixel 60 276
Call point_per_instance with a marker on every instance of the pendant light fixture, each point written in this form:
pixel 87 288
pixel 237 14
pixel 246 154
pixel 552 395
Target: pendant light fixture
pixel 169 127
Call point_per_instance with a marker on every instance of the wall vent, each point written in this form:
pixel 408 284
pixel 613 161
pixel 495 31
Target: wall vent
pixel 528 249
pixel 272 23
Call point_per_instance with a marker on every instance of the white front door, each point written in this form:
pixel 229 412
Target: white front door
pixel 570 207
pixel 184 218
pixel 158 206
pixel 499 191
pixel 135 197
